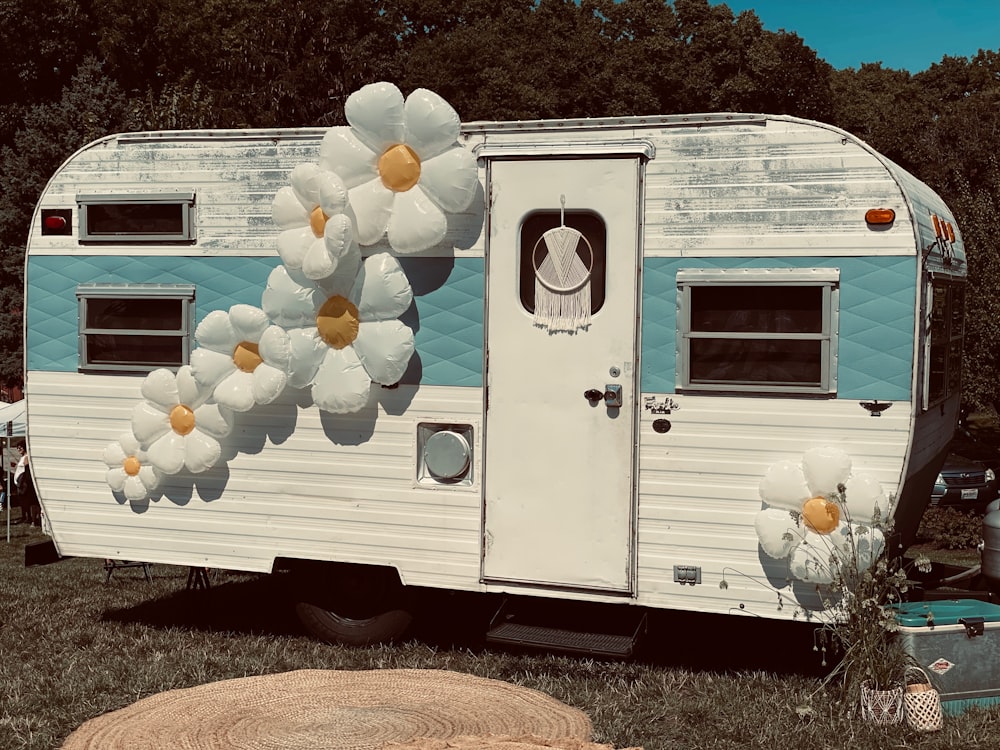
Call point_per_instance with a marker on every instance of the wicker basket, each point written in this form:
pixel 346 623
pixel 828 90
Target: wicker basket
pixel 922 702
pixel 881 707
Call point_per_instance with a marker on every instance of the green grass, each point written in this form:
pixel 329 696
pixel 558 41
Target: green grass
pixel 73 647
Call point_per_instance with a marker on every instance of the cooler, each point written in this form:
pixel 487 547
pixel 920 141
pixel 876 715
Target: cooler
pixel 957 642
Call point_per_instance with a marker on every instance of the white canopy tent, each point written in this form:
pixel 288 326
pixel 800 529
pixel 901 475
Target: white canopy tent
pixel 12 425
pixel 15 415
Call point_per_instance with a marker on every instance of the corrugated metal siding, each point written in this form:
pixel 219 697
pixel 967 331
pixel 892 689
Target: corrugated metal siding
pixel 698 487
pixel 293 483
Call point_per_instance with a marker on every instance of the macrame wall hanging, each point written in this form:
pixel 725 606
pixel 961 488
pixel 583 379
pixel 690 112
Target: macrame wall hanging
pixel 562 277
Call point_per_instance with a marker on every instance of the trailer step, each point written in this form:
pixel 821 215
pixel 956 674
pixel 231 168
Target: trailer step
pixel 522 626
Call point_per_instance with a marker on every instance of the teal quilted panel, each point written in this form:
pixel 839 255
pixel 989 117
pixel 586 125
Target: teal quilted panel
pixel 447 317
pixel 875 345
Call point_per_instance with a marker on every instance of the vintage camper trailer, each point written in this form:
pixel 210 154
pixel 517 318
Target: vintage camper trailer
pixel 743 294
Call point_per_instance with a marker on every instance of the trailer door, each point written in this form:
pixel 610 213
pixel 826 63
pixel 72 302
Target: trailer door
pixel 562 260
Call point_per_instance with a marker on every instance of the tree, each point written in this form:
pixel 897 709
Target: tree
pixel 91 106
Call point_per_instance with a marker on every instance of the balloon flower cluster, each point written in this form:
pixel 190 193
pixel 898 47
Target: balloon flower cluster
pixel 329 317
pixel 820 516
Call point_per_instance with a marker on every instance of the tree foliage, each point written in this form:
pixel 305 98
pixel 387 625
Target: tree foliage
pixel 78 69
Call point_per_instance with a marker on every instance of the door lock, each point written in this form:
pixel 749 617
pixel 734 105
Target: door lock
pixel 613 395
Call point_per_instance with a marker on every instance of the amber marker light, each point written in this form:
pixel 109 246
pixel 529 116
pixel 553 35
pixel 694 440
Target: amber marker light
pixel 937 226
pixel 880 216
pixel 950 231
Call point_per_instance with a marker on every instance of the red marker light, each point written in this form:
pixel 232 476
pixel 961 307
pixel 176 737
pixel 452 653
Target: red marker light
pixel 54 223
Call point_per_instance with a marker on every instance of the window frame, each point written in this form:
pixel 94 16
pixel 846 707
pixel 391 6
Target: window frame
pixel 183 293
pixel 186 235
pixel 827 279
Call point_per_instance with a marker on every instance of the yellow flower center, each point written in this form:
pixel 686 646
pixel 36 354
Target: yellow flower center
pixel 246 356
pixel 181 419
pixel 317 221
pixel 820 515
pixel 399 168
pixel 338 322
pixel 131 466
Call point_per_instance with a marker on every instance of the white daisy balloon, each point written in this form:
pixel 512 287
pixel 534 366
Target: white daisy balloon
pixel 805 519
pixel 129 469
pixel 177 424
pixel 316 222
pixel 402 165
pixel 241 356
pixel 344 340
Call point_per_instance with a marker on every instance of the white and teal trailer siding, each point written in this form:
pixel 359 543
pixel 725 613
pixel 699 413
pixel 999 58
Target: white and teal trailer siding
pixel 722 195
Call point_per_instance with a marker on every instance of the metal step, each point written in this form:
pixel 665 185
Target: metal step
pixel 537 636
pixel 567 627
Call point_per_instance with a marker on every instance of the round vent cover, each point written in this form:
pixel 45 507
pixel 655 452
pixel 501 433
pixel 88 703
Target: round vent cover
pixel 446 454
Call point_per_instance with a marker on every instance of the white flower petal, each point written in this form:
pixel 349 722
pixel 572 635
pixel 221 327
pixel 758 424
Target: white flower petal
pixel 210 367
pixel 268 383
pixel 307 352
pixel 116 478
pixel 167 453
pixel 160 388
pixel 235 391
pixel 290 299
pixel 114 456
pixel 216 332
pixel 249 322
pixel 148 422
pixel 134 489
pixel 342 384
pixel 287 210
pixel 385 348
pixel 275 348
pixel 317 263
pixel 129 444
pixel 332 194
pixel 381 290
pixel 341 281
pixel 432 125
pixel 372 203
pixel 451 179
pixel 149 476
pixel 201 452
pixel 343 154
pixel 305 183
pixel 293 245
pixel 322 259
pixel 375 112
pixel 213 419
pixel 190 392
pixel 416 223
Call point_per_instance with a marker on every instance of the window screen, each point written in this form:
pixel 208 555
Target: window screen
pixel 947 302
pixel 135 327
pixel 776 332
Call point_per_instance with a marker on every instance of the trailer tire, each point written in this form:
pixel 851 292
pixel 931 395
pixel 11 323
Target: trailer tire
pixel 333 628
pixel 351 605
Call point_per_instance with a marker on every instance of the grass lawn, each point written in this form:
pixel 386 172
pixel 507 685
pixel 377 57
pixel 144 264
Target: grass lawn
pixel 73 647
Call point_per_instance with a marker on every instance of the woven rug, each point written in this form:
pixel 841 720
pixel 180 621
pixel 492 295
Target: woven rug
pixel 346 710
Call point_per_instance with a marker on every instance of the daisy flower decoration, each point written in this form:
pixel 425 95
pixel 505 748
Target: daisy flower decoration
pixel 343 337
pixel 178 425
pixel 129 469
pixel 316 222
pixel 241 356
pixel 402 165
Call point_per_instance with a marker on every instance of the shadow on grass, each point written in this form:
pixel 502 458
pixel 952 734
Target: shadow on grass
pixel 264 604
pixel 246 604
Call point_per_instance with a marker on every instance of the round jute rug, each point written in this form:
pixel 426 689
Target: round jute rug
pixel 493 742
pixel 347 710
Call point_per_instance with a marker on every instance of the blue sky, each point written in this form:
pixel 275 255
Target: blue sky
pixel 901 34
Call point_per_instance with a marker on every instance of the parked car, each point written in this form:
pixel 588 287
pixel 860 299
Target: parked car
pixel 964 483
